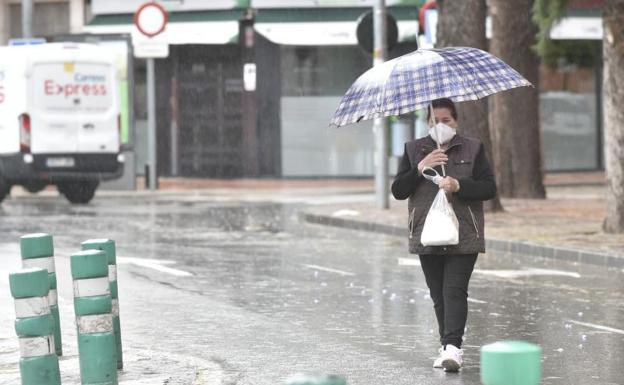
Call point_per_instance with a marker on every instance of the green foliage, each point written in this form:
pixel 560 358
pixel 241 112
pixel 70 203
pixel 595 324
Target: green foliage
pixel 545 14
pixel 578 52
pixel 581 53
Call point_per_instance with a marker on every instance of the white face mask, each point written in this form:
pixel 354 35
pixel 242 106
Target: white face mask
pixel 442 133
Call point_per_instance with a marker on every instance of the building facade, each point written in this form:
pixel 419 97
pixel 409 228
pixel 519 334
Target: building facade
pixel 300 57
pixel 305 56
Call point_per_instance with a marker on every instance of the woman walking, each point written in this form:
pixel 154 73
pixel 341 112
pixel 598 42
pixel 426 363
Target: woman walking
pixel 469 181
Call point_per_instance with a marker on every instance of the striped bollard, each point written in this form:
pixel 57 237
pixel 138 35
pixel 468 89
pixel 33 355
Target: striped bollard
pixel 511 363
pixel 304 379
pixel 94 321
pixel 38 251
pixel 108 246
pixel 35 327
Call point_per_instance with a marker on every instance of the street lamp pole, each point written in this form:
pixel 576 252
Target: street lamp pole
pixel 380 126
pixel 27 16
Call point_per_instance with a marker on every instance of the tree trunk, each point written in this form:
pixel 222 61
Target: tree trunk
pixel 514 115
pixel 462 23
pixel 613 97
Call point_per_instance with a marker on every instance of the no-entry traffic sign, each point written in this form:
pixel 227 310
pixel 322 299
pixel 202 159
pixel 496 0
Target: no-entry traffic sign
pixel 151 19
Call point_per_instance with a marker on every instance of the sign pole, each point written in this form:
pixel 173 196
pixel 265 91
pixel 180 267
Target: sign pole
pixel 151 124
pixel 380 126
pixel 151 20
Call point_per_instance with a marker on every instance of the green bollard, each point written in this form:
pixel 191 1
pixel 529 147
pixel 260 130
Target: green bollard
pixel 511 363
pixel 38 251
pixel 93 306
pixel 108 246
pixel 35 327
pixel 304 379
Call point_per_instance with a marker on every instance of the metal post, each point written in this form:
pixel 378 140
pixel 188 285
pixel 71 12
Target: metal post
pixel 173 127
pixel 511 362
pixel 108 246
pixel 37 250
pixel 151 125
pixel 27 16
pixel 34 327
pixel 93 306
pixel 380 127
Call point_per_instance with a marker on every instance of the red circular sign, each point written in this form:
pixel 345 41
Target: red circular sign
pixel 151 19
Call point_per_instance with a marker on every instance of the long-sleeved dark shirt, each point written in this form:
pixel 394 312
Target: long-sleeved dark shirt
pixel 481 186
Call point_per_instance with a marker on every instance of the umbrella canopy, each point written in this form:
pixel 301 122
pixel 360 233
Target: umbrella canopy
pixel 410 82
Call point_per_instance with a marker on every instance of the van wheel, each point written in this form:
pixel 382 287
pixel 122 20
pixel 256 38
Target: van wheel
pixel 79 192
pixel 35 187
pixel 5 188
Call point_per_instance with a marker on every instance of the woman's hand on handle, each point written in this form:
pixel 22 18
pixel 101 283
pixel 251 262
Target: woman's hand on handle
pixel 435 158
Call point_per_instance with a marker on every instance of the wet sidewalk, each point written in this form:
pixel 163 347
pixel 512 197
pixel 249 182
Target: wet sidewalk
pixel 567 225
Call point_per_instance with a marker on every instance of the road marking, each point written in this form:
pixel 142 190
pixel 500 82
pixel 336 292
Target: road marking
pixel 330 270
pixel 599 327
pixel 475 300
pixel 409 262
pixel 155 264
pixel 527 273
pixel 345 213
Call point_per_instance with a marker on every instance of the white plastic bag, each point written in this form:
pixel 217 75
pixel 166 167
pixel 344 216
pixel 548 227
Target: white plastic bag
pixel 441 226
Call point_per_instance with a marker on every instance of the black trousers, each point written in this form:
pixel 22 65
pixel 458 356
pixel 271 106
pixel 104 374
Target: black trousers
pixel 447 277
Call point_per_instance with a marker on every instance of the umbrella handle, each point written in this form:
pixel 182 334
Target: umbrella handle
pixel 432 123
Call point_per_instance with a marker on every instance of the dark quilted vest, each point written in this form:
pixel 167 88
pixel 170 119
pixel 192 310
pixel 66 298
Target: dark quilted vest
pixel 462 153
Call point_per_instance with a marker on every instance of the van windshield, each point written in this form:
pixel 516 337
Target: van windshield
pixel 72 87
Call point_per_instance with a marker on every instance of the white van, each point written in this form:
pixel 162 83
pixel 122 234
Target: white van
pixel 59 119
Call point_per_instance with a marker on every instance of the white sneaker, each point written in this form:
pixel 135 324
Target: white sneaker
pixel 452 358
pixel 438 361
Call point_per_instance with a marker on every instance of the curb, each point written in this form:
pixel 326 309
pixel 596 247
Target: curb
pixel 516 247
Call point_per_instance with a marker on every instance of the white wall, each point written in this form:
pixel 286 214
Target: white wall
pixel 104 7
pixel 311 148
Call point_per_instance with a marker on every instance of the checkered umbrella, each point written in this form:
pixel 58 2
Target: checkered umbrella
pixel 412 81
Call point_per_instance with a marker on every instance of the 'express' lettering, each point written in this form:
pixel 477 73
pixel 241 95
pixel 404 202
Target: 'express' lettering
pixel 73 89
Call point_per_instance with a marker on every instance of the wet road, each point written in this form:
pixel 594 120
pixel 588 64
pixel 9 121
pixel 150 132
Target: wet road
pixel 255 295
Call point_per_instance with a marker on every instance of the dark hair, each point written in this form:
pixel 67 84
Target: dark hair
pixel 443 103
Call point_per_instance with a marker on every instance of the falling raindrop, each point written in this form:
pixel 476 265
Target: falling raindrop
pixel 324 284
pixel 316 301
pixel 568 326
pixel 371 300
pixel 580 346
pixel 316 274
pixel 559 350
pixel 412 300
pixel 584 337
pixel 426 296
pixel 384 291
pixel 351 284
pixel 430 331
pixel 580 314
pixel 392 297
pixel 363 292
